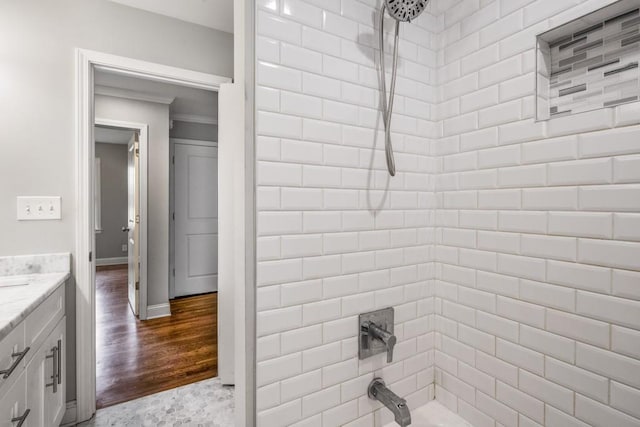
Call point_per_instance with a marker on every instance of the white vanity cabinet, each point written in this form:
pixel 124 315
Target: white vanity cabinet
pixel 34 393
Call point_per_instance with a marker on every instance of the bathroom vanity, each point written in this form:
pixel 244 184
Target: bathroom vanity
pixel 32 339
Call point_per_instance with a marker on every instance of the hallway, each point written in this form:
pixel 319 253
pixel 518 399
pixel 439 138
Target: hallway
pixel 137 358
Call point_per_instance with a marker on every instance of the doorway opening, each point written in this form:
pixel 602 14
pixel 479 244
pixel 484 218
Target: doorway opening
pixel 156 241
pixel 236 269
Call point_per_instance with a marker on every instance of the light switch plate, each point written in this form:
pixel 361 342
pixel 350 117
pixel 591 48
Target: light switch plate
pixel 38 208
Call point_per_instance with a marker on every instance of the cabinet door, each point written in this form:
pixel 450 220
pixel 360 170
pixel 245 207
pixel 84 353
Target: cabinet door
pixel 13 404
pixel 36 375
pixel 55 401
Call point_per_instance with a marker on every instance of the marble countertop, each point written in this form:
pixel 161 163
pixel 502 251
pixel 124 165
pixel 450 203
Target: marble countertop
pixel 19 301
pixel 42 274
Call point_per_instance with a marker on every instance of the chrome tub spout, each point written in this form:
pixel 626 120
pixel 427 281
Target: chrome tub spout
pixel 379 391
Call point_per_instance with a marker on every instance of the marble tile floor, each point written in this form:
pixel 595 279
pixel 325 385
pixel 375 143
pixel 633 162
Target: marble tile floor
pixel 203 404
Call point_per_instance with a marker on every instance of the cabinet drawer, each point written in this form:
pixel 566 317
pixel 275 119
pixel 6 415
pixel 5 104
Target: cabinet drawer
pixel 10 345
pixel 13 403
pixel 39 324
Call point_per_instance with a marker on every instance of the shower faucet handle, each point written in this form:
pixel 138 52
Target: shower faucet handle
pixel 375 331
pixel 386 337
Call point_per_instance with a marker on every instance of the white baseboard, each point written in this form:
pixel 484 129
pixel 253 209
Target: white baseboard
pixel 70 416
pixel 112 261
pixel 158 310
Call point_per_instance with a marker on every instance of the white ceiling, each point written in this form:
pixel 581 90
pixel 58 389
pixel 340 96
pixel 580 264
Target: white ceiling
pixel 188 101
pixel 216 14
pixel 112 136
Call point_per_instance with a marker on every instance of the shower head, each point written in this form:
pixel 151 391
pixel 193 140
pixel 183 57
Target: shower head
pixel 405 10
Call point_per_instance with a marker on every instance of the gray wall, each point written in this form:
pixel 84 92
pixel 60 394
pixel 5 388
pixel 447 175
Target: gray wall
pixel 37 75
pixel 156 116
pixel 114 200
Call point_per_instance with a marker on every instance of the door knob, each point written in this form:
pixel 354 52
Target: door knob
pixel 125 229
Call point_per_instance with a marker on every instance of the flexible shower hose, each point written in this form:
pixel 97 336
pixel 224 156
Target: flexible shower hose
pixel 387 106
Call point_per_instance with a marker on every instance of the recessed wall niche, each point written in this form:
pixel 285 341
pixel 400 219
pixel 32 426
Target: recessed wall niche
pixel 590 62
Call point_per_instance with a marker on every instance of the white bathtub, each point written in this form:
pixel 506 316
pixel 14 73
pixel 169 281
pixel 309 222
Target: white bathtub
pixel 433 414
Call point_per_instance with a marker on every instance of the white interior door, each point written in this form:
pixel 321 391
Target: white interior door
pixel 196 221
pixel 133 219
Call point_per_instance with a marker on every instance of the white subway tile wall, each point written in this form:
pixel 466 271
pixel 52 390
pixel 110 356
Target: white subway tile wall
pixel 541 326
pixel 336 235
pixel 509 248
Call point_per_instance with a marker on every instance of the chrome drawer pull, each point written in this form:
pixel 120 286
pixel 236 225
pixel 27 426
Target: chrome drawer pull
pixel 54 376
pixel 59 362
pixel 20 420
pixel 20 355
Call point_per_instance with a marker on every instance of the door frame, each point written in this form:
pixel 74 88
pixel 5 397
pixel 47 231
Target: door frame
pixel 87 61
pixel 143 133
pixel 172 203
pixel 244 257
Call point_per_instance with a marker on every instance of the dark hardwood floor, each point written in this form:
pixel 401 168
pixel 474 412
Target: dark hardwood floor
pixel 136 358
